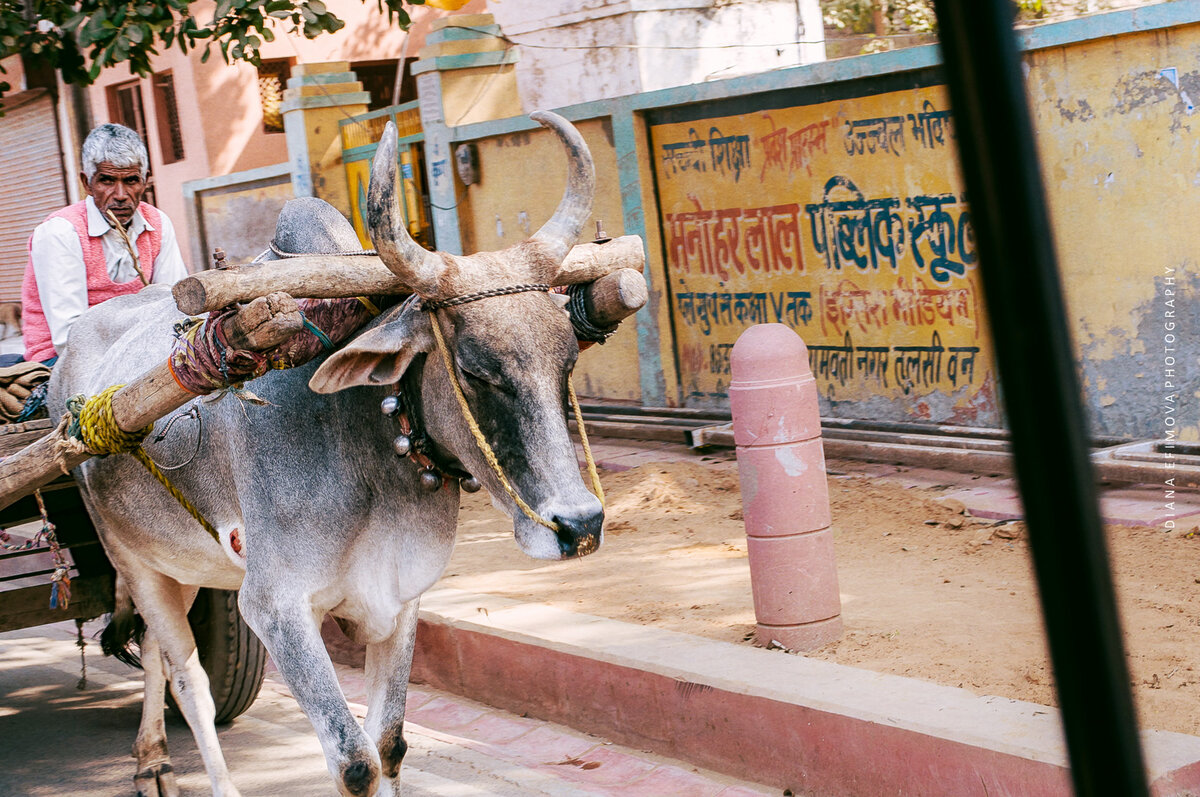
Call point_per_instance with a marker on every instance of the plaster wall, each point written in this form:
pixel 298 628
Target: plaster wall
pixel 1117 123
pixel 575 51
pixel 829 197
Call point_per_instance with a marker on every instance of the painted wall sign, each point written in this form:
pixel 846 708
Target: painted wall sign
pixel 845 220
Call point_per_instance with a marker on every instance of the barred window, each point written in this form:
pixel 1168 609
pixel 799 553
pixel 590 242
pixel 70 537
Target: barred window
pixel 170 136
pixel 272 78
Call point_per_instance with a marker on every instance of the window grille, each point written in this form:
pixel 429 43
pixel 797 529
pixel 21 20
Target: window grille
pixel 170 136
pixel 272 79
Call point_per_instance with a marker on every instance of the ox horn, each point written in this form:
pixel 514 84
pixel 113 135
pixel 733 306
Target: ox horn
pixel 419 268
pixel 562 230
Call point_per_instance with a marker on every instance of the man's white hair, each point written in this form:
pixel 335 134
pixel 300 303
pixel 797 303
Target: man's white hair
pixel 115 144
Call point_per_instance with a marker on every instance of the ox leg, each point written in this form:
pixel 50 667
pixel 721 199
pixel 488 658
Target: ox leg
pixel 287 625
pixel 155 777
pixel 388 666
pixel 163 604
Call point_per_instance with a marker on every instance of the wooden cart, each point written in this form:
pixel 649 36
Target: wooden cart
pixel 232 656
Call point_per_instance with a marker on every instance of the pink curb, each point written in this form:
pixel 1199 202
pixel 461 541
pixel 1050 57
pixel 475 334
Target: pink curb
pixel 810 726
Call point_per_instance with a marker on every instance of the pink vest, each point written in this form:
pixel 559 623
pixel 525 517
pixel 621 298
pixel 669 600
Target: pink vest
pixel 99 287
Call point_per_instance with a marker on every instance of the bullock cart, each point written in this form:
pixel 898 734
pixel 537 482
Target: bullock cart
pixel 231 655
pixel 304 505
pixel 32 592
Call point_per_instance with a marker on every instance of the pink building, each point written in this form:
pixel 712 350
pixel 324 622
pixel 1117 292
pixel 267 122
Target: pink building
pixel 199 120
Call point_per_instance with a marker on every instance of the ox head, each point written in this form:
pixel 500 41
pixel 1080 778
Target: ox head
pixel 511 354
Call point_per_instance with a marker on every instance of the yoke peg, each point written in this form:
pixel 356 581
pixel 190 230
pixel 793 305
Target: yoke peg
pixel 469 484
pixel 402 445
pixel 390 405
pixel 430 481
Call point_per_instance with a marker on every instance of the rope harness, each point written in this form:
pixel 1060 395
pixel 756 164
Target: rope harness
pixel 94 424
pixel 477 433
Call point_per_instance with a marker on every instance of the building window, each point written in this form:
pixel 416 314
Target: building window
pixel 170 136
pixel 378 78
pixel 272 78
pixel 125 108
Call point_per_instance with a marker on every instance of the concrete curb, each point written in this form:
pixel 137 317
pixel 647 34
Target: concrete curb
pixel 810 726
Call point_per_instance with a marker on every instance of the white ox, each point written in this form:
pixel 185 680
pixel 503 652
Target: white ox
pixel 330 519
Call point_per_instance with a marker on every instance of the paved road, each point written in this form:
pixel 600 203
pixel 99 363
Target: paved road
pixel 57 740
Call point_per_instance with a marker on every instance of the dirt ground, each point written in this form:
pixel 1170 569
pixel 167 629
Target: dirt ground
pixel 927 591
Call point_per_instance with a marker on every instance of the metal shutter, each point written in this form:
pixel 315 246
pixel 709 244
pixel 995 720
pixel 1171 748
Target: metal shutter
pixel 31 161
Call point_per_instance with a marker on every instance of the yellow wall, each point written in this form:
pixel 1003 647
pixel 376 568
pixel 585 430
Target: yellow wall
pixel 1117 139
pixel 844 220
pixel 523 176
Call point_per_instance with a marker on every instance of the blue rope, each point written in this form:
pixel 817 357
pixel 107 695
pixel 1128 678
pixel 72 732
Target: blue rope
pixel 321 336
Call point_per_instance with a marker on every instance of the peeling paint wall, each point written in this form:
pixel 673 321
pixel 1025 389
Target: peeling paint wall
pixel 844 219
pixel 240 218
pixel 817 197
pixel 1117 131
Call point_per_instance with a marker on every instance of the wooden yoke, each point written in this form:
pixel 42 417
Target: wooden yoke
pixel 262 324
pixel 344 276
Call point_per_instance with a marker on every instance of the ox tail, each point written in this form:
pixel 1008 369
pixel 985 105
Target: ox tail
pixel 124 630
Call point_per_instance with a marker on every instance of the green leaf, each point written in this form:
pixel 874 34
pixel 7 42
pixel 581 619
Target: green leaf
pixel 268 35
pixel 316 6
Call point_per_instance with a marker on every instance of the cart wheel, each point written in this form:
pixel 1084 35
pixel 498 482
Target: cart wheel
pixel 230 653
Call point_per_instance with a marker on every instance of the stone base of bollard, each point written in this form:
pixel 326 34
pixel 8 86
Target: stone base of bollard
pixel 801 638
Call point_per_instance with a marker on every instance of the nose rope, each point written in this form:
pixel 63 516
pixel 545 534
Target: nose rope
pixel 486 449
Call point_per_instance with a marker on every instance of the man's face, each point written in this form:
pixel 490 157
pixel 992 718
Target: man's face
pixel 116 189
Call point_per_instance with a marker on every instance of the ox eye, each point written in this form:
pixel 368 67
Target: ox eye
pixel 475 373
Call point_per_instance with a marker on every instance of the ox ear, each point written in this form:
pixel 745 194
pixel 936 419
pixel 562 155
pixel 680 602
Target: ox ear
pixel 378 356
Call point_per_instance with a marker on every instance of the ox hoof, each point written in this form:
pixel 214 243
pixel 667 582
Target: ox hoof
pixel 359 778
pixel 156 781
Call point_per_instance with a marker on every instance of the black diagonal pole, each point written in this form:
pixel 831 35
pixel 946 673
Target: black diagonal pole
pixel 1041 393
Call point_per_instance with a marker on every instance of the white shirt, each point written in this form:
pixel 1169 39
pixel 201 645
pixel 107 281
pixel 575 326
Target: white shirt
pixel 61 273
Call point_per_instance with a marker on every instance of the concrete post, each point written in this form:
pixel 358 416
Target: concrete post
pixel 317 96
pixel 785 498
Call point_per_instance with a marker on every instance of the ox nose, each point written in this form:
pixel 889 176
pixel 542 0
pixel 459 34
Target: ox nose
pixel 578 534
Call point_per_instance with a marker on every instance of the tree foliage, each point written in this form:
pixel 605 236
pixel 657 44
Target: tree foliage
pixel 889 17
pixel 81 39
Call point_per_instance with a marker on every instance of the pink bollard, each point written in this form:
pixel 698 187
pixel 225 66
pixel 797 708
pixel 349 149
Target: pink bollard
pixel 785 498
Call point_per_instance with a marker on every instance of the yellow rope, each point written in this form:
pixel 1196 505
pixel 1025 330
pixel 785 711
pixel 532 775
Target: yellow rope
pixel 486 449
pixel 587 449
pixel 99 431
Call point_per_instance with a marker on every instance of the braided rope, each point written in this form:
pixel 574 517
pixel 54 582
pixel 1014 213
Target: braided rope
pixel 584 328
pixel 355 253
pixel 471 297
pixel 129 246
pixel 98 429
pixel 583 438
pixel 486 449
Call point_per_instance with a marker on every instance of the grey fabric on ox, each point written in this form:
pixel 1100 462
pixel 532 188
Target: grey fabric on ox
pixel 311 226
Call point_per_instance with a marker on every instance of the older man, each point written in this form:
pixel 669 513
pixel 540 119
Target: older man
pixel 110 244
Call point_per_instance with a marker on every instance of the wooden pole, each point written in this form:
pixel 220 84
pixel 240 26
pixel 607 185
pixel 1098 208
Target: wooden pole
pixel 342 276
pixel 613 298
pixel 262 324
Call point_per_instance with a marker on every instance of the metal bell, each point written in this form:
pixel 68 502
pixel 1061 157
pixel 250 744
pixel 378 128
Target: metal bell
pixel 469 484
pixel 430 481
pixel 390 405
pixel 402 445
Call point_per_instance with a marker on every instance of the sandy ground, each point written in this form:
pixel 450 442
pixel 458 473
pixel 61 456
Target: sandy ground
pixel 927 591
